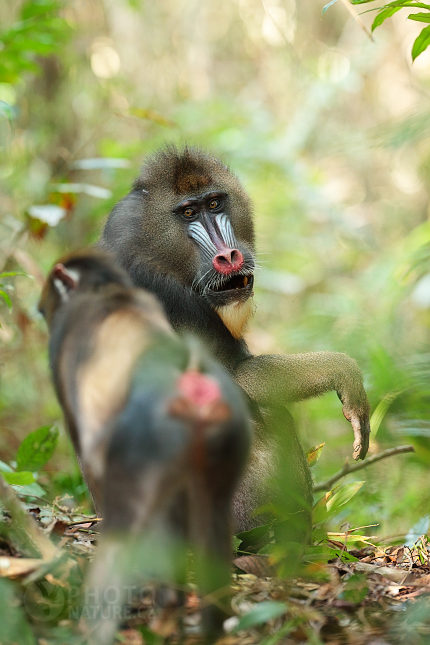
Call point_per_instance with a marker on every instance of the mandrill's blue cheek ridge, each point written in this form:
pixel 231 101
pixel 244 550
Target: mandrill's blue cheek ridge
pixel 198 233
pixel 226 230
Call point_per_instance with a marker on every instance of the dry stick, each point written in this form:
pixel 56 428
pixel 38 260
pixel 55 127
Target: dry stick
pixel 351 468
pixel 26 530
pixel 356 17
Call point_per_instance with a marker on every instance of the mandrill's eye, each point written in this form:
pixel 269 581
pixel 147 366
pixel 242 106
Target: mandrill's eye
pixel 214 203
pixel 189 212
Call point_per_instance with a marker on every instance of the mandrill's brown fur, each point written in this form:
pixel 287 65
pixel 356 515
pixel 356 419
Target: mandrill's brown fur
pixel 160 428
pixel 185 232
pixel 99 327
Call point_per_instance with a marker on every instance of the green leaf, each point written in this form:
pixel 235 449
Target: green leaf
pixel 330 503
pixel 13 625
pixel 254 538
pixel 284 631
pixel 317 553
pixel 342 496
pixel 356 588
pixel 260 614
pixel 254 535
pixel 421 43
pixel 31 490
pixel 381 410
pixel 385 13
pixel 5 468
pixel 151 638
pixel 344 555
pixel 314 454
pixel 319 513
pixel 37 448
pixel 419 17
pixel 236 543
pixel 6 298
pixel 329 4
pixel 351 539
pixel 417 530
pixel 19 479
pixel 409 3
pixel 37 8
pixel 401 4
pixel 12 274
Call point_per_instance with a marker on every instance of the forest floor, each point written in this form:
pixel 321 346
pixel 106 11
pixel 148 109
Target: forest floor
pixel 373 595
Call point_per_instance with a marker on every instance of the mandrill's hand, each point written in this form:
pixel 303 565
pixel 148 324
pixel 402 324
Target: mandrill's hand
pixel 355 404
pixel 361 427
pixel 276 378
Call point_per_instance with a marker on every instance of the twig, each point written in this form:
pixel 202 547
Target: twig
pixel 351 468
pixel 356 17
pixel 26 531
pixel 85 521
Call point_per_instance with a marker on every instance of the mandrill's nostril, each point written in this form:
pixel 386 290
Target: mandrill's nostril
pixel 228 261
pixel 236 257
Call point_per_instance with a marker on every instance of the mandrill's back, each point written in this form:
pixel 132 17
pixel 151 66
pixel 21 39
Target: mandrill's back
pixel 96 341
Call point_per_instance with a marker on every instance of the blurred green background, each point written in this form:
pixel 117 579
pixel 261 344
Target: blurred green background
pixel 330 134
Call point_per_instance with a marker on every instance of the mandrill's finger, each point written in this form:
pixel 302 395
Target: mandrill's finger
pixel 365 433
pixel 357 446
pixel 361 437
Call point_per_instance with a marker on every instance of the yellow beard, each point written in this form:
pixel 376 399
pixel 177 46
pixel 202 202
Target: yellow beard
pixel 236 315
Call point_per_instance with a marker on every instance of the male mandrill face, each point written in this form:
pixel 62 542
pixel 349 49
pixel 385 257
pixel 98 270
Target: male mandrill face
pixel 197 224
pixel 187 219
pixel 226 265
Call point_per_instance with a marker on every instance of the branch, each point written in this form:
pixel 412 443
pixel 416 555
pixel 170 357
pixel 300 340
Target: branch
pixel 351 468
pixel 357 17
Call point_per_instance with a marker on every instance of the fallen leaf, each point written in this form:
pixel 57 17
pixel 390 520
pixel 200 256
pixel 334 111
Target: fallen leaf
pixel 257 565
pixel 14 567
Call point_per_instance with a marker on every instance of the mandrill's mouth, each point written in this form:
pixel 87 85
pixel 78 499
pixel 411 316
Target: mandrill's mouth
pixel 235 283
pixel 237 288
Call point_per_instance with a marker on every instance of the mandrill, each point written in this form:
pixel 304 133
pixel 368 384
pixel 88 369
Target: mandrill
pixel 185 233
pixel 160 429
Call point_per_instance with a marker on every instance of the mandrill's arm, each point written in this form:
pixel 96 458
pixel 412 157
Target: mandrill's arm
pixel 275 378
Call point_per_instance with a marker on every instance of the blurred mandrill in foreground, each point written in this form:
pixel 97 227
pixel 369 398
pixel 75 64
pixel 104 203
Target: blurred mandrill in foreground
pixel 160 429
pixel 185 232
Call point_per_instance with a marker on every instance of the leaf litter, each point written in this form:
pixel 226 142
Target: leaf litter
pixel 359 596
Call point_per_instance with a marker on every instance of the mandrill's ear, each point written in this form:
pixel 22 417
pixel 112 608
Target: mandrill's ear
pixel 65 280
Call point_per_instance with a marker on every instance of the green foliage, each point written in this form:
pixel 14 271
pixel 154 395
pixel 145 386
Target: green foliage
pixel 337 170
pixel 13 625
pixel 33 453
pixel 314 454
pixel 388 10
pixel 37 448
pixel 37 34
pixel 284 631
pixel 260 614
pixel 423 40
pixel 4 294
pixel 19 479
pixel 330 503
pixel 254 539
pixel 151 638
pixel 356 588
